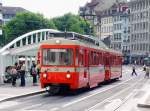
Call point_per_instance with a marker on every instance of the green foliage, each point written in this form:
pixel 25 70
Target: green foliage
pixel 25 22
pixel 70 22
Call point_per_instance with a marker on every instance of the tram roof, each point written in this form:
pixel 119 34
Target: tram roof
pixel 64 41
pixel 75 36
pixel 79 39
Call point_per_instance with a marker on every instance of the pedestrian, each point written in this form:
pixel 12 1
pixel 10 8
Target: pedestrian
pixel 38 69
pixel 133 71
pixel 34 74
pixel 22 74
pixel 144 67
pixel 18 67
pixel 147 72
pixel 14 75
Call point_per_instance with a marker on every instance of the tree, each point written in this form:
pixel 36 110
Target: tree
pixel 75 23
pixel 25 22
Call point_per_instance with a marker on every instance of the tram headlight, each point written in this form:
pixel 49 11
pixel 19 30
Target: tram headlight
pixel 68 76
pixel 57 41
pixel 44 75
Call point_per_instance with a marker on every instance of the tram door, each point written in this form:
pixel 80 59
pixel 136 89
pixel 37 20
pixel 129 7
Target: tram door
pixel 87 72
pixel 107 67
pixel 86 66
pixel 83 67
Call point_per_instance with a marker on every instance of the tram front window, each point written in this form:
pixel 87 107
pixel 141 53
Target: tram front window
pixel 58 57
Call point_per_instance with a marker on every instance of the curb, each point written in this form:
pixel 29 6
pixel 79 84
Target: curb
pixel 143 101
pixel 22 96
pixel 144 105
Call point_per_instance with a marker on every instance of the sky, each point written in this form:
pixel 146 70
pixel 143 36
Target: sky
pixel 49 8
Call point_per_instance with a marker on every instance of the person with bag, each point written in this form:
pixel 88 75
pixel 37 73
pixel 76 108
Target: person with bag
pixel 34 74
pixel 144 67
pixel 14 75
pixel 147 72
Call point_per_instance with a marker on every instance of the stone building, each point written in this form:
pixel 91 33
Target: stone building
pixel 140 30
pixel 100 13
pixel 107 22
pixel 120 39
pixel 88 13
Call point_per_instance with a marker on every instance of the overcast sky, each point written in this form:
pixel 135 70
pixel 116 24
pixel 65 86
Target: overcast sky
pixel 49 8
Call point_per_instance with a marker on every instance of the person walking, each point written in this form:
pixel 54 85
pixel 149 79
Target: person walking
pixel 38 69
pixel 144 67
pixel 147 72
pixel 14 75
pixel 133 71
pixel 22 74
pixel 34 74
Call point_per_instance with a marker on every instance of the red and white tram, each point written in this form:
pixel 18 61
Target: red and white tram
pixel 76 62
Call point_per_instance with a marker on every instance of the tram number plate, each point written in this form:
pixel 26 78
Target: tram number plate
pixel 58 50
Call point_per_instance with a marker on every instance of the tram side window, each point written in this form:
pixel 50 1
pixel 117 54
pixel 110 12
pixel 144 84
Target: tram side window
pixel 77 57
pixel 100 58
pixel 95 58
pixel 120 58
pixel 91 58
pixel 112 60
pixel 89 54
pixel 119 62
pixel 86 62
pixel 117 58
pixel 107 61
pixel 81 58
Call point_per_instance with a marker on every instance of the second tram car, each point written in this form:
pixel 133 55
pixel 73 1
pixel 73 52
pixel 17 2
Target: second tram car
pixel 76 63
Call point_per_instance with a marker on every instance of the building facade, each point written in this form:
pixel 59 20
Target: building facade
pixel 107 22
pixel 10 12
pixel 120 40
pixel 140 30
pixel 88 13
pixel 100 13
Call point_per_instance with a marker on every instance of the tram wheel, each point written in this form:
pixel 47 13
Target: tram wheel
pixel 53 90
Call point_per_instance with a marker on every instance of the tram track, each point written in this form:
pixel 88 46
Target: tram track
pixel 120 98
pixel 101 97
pixel 80 102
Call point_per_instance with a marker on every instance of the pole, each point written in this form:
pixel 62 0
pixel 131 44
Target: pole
pixel 1 69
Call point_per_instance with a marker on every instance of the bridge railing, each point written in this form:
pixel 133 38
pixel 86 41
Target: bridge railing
pixel 28 39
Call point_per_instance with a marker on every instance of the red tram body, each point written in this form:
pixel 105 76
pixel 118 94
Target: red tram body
pixel 76 64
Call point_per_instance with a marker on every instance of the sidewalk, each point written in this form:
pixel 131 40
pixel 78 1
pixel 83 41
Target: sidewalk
pixel 8 92
pixel 145 99
pixel 139 100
